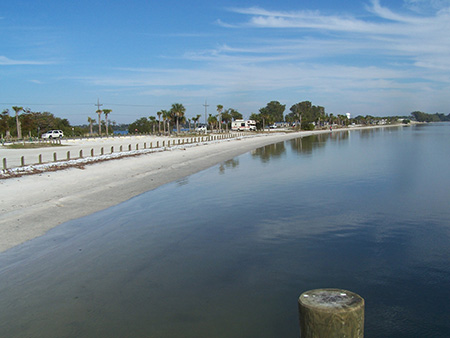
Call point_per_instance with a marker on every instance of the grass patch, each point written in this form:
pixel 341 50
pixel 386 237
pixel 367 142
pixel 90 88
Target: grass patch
pixel 33 145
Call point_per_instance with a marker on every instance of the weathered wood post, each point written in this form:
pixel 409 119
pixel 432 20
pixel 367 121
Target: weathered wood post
pixel 121 148
pixel 101 151
pixel 331 313
pixel 68 155
pixel 4 163
pixel 40 159
pixel 129 147
pixel 92 152
pixel 22 161
pixel 112 149
pixel 81 153
pixel 55 157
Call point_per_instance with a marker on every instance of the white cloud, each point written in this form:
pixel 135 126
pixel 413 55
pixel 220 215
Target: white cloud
pixel 388 60
pixel 4 61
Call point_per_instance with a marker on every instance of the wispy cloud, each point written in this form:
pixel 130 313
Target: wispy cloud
pixel 4 61
pixel 386 59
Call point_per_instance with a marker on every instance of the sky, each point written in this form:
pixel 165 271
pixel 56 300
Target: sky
pixel 375 57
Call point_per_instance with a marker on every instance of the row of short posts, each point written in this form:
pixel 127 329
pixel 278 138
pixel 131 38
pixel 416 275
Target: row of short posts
pixel 174 142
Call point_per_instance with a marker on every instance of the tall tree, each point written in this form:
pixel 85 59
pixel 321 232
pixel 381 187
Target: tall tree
pixel 300 110
pixel 91 122
pixel 212 120
pixel 226 117
pixel 5 123
pixel 99 112
pixel 159 121
pixel 178 110
pixel 235 115
pixel 152 122
pixel 219 111
pixel 273 112
pixel 195 119
pixel 166 117
pixel 106 112
pixel 19 129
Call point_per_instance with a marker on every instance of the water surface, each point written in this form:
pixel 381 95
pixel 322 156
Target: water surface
pixel 226 252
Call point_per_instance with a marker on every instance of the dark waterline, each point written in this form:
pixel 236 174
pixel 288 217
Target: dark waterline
pixel 227 252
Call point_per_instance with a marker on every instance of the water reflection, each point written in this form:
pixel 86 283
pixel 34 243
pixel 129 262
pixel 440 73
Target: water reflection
pixel 266 153
pixel 306 145
pixel 230 164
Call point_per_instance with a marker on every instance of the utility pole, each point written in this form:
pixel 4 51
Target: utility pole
pixel 206 117
pixel 98 104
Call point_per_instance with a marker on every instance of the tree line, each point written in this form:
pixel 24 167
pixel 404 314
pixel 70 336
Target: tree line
pixel 424 117
pixel 175 118
pixel 23 122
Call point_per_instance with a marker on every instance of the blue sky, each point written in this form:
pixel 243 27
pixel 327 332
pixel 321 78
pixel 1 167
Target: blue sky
pixel 373 57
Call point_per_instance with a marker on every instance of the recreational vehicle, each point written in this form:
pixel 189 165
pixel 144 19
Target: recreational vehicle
pixel 241 125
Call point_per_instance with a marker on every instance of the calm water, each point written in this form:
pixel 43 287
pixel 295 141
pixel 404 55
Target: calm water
pixel 227 252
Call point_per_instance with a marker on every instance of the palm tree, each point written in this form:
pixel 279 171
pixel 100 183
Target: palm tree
pixel 5 124
pixel 19 129
pixel 159 121
pixel 152 121
pixel 226 116
pixel 178 110
pixel 91 122
pixel 166 117
pixel 219 110
pixel 195 119
pixel 99 112
pixel 212 121
pixel 106 112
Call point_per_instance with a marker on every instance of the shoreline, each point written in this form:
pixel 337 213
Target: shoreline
pixel 34 204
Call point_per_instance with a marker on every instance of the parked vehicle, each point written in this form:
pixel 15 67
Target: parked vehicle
pixel 52 134
pixel 201 129
pixel 241 125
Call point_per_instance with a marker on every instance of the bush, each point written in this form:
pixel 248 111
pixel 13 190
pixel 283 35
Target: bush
pixel 308 126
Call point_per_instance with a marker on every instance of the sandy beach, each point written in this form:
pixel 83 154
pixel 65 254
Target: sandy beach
pixel 33 204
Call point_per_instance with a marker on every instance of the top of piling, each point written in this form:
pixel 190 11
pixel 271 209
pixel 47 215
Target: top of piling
pixel 331 300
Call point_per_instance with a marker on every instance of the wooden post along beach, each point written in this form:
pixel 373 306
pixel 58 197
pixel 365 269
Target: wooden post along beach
pixel 327 313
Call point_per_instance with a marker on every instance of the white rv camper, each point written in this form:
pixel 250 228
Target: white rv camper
pixel 241 125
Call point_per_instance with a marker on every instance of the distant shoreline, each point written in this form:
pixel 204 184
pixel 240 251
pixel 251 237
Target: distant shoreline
pixel 34 204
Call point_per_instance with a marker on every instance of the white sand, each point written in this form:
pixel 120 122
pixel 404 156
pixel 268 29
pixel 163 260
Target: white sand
pixel 33 204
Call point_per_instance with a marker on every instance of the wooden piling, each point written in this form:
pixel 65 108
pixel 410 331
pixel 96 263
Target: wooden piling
pixel 55 157
pixel 331 313
pixel 92 152
pixel 68 155
pixel 22 161
pixel 4 163
pixel 40 159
